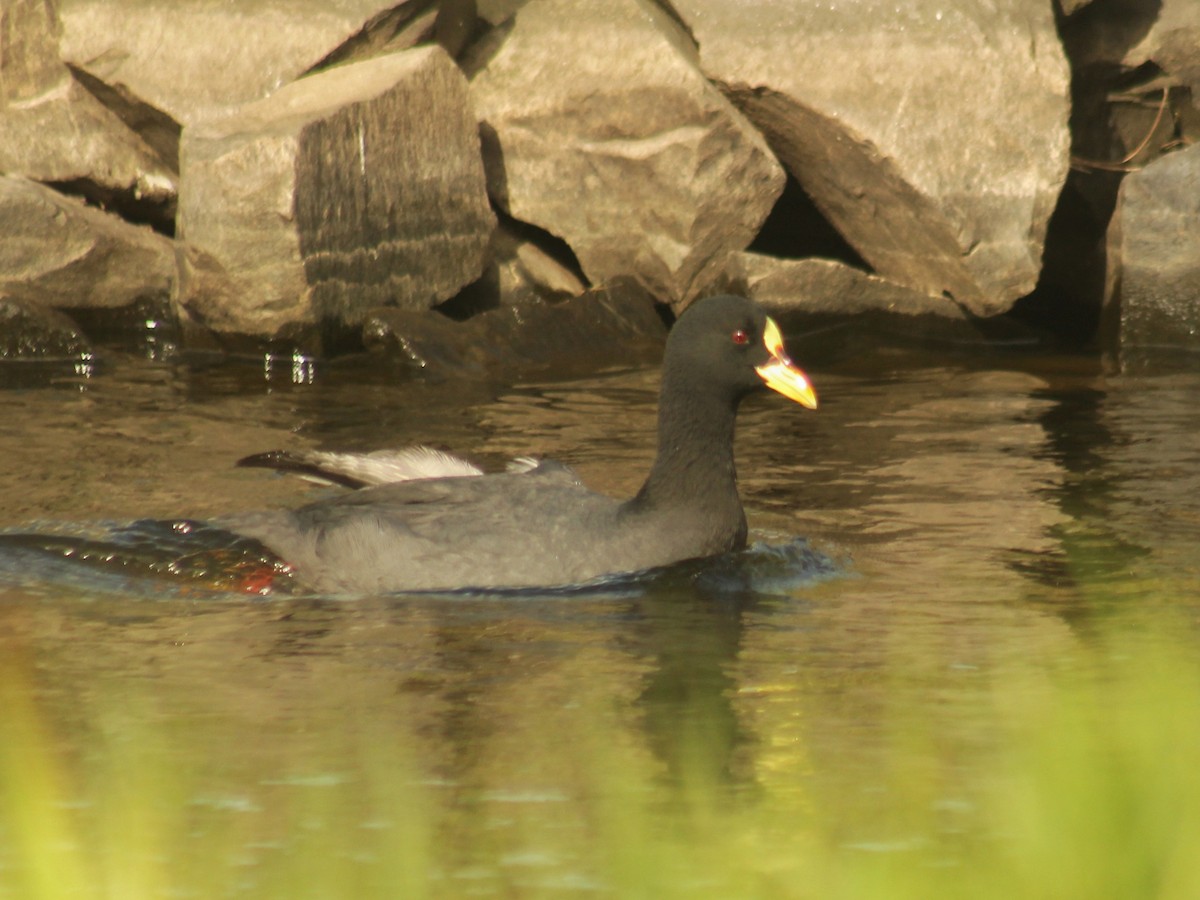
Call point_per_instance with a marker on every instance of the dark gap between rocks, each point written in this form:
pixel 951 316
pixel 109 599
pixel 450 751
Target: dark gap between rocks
pixel 154 213
pixel 484 293
pixel 1075 297
pixel 796 229
pixel 457 25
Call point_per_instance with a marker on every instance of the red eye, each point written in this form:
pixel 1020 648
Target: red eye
pixel 740 337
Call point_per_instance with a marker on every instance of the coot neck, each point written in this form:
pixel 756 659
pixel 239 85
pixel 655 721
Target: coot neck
pixel 694 465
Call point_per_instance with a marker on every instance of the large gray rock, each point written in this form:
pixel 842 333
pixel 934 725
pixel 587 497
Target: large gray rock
pixel 1160 252
pixel 62 254
pixel 932 135
pixel 53 129
pixel 199 59
pixel 1172 43
pixel 600 129
pixel 357 187
pixel 827 286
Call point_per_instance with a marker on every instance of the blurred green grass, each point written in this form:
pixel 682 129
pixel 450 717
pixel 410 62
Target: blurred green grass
pixel 1087 788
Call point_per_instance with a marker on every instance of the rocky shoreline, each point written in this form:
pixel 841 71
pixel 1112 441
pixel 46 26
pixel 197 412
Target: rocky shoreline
pixel 327 176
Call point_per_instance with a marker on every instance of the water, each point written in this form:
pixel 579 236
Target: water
pixel 968 515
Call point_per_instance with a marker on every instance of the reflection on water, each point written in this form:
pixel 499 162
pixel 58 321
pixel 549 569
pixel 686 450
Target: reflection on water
pixel 981 517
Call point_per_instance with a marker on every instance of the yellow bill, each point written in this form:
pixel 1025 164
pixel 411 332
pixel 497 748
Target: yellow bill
pixel 781 374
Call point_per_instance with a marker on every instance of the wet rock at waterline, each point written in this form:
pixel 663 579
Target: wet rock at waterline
pixel 61 254
pixel 54 129
pixel 356 187
pixel 31 331
pixel 1159 215
pixel 615 325
pixel 606 134
pixel 932 135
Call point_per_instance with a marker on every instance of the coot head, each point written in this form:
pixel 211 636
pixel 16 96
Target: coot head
pixel 727 346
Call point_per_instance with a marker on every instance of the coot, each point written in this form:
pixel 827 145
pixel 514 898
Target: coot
pixel 537 525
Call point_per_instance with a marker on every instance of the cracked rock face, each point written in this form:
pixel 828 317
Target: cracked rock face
pixel 932 135
pixel 607 135
pixel 357 187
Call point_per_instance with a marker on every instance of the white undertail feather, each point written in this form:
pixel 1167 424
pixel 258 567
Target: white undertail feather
pixel 389 466
pixel 392 466
pixel 522 464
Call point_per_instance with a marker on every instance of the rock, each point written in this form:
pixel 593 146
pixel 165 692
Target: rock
pixel 1172 43
pixel 1102 33
pixel 195 59
pixel 29 37
pixel 456 25
pixel 357 187
pixel 390 31
pixel 496 12
pixel 1160 252
pixel 1070 7
pixel 64 255
pixel 932 135
pixel 146 328
pixel 606 134
pixel 832 310
pixel 29 331
pixel 1137 81
pixel 829 287
pixel 525 266
pixel 53 129
pixel 616 324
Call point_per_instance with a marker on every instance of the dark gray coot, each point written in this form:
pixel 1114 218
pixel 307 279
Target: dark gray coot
pixel 537 525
